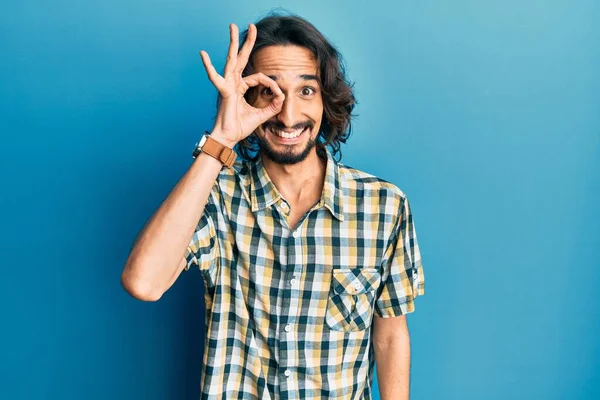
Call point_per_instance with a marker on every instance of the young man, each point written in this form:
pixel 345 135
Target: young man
pixel 309 266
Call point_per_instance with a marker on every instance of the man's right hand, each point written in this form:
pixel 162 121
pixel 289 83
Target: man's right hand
pixel 236 119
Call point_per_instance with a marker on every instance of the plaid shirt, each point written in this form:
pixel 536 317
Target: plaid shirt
pixel 288 312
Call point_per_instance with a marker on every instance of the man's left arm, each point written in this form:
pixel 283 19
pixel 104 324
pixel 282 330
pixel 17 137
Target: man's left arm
pixel 391 344
pixel 402 282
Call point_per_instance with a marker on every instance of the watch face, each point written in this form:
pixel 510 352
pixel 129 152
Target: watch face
pixel 202 141
pixel 198 146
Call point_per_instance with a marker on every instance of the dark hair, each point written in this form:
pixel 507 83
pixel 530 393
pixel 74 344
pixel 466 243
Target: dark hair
pixel 338 97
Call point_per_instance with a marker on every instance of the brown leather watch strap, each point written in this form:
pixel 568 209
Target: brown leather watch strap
pixel 219 151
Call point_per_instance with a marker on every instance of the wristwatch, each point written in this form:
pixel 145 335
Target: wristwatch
pixel 214 149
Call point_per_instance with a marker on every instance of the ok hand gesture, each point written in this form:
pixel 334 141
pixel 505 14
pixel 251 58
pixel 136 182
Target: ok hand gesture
pixel 236 119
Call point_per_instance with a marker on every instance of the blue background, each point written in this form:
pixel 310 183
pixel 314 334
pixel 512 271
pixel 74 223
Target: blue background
pixel 487 114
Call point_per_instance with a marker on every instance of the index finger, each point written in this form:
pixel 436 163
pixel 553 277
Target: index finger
pixel 244 54
pixel 231 63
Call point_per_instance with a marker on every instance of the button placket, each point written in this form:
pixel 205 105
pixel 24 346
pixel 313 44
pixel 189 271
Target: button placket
pixel 288 349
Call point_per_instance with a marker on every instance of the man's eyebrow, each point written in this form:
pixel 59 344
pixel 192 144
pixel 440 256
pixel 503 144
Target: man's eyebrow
pixel 304 77
pixel 308 77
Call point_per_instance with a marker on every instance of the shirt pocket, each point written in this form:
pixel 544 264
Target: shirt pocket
pixel 351 298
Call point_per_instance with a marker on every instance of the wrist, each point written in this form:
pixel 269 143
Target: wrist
pixel 221 138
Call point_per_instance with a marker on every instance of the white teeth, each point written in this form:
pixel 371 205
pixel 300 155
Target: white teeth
pixel 287 135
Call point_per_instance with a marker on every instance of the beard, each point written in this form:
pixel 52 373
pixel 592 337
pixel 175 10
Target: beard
pixel 287 156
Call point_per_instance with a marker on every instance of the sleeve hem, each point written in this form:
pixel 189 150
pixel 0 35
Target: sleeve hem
pixel 190 258
pixel 396 311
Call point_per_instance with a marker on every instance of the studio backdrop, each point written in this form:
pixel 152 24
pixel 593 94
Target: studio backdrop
pixel 485 113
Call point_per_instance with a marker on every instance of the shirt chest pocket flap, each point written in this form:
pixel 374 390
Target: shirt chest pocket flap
pixel 351 298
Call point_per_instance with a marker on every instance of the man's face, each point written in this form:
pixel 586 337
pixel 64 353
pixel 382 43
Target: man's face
pixel 290 136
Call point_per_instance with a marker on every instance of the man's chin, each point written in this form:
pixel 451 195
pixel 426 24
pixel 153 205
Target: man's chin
pixel 285 154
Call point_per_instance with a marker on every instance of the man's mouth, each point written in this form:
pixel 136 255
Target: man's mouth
pixel 287 133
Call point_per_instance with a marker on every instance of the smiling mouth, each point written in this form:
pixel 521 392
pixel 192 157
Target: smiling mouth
pixel 287 133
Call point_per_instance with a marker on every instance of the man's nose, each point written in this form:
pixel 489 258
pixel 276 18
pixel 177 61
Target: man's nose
pixel 290 113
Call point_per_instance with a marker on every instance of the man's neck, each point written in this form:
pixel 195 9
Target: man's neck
pixel 301 182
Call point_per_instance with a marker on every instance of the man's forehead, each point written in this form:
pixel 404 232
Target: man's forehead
pixel 286 63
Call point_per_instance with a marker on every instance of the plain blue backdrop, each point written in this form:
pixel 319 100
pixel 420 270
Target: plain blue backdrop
pixel 486 113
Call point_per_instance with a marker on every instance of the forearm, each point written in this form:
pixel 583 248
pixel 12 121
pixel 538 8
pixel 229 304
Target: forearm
pixel 393 367
pixel 157 253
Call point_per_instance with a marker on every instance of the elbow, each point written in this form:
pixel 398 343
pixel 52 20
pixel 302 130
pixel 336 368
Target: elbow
pixel 390 332
pixel 385 344
pixel 137 287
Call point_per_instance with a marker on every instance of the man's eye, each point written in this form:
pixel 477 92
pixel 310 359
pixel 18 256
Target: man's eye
pixel 267 92
pixel 307 91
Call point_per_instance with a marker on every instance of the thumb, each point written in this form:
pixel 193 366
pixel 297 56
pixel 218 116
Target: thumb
pixel 272 109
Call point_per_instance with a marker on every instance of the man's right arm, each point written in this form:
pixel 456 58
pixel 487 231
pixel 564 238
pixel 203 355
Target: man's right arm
pixel 157 257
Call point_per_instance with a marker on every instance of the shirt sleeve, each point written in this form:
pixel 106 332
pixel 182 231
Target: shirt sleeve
pixel 203 248
pixel 402 272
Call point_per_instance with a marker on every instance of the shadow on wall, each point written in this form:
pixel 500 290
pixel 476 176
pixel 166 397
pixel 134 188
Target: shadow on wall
pixel 133 189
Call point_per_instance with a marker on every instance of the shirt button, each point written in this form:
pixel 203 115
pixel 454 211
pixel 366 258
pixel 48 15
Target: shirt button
pixel 285 207
pixel 287 372
pixel 288 328
pixel 357 285
pixel 293 281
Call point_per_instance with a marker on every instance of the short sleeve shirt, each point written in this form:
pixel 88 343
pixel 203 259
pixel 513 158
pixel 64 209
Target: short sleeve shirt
pixel 289 311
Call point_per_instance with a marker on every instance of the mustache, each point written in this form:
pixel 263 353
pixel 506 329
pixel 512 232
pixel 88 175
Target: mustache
pixel 278 125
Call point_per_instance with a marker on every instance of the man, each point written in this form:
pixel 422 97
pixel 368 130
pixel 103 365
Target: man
pixel 309 266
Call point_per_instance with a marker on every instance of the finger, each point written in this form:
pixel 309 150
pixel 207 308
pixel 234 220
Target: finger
pixel 270 110
pixel 231 63
pixel 242 59
pixel 261 79
pixel 276 103
pixel 212 73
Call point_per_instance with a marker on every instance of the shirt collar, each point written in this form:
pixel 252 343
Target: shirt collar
pixel 263 192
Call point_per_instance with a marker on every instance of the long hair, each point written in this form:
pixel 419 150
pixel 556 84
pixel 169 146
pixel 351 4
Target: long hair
pixel 338 96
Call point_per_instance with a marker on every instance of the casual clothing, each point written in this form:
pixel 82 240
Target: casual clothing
pixel 289 313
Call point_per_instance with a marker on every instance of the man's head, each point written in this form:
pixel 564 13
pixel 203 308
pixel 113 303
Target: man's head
pixel 318 99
